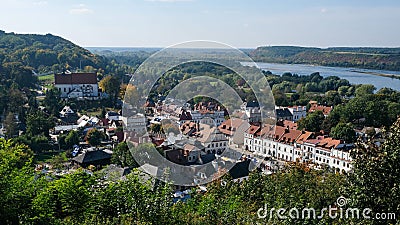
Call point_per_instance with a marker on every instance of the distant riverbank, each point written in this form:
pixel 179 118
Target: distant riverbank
pixel 379 78
pixel 393 76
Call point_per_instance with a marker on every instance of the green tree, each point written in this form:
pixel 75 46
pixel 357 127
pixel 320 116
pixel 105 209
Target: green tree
pixel 67 198
pixel 312 122
pixel 10 125
pixel 343 131
pixel 72 139
pixel 122 156
pixel 52 101
pixel 16 183
pixel 38 123
pixel 94 137
pixel 111 85
pixel 375 180
pixel 365 89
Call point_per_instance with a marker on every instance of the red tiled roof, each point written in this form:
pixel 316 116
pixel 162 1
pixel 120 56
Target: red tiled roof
pixel 228 127
pixel 290 136
pixel 328 143
pixel 253 129
pixel 288 124
pixel 279 131
pixel 304 137
pixel 268 130
pixel 76 78
pixel 325 109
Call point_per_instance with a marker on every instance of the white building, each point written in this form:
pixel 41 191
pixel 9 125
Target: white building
pixel 253 111
pixel 298 112
pixel 76 85
pixel 293 145
pixel 136 123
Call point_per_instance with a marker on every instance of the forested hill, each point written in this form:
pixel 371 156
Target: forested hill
pixel 44 53
pixel 368 58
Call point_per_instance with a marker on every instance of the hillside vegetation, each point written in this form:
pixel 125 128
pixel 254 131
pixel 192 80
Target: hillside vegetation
pixel 368 58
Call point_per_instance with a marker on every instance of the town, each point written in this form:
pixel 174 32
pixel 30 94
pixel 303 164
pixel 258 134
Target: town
pixel 84 140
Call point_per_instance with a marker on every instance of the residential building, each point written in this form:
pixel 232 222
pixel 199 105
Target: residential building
pixel 253 111
pixel 316 107
pixel 298 112
pixel 77 85
pixel 233 129
pixel 283 114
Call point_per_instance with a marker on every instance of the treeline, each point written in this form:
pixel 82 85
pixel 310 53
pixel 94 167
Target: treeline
pixel 368 58
pixel 45 53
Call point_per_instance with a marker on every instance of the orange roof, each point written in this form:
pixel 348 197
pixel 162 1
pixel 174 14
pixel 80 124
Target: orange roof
pixel 290 136
pixel 328 143
pixel 325 109
pixel 288 124
pixel 279 131
pixel 253 129
pixel 303 137
pixel 229 126
pixel 268 130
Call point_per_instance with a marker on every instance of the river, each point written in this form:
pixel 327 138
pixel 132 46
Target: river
pixel 353 75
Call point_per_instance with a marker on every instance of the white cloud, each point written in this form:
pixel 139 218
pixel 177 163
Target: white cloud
pixel 169 1
pixel 80 10
pixel 324 10
pixel 40 3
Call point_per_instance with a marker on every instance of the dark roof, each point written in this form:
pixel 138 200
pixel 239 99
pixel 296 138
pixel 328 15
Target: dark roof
pixel 240 169
pixel 76 78
pixel 112 113
pixel 91 156
pixel 207 158
pixel 252 104
pixel 282 113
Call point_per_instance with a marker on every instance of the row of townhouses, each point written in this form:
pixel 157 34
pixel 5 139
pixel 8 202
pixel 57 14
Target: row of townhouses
pixel 292 145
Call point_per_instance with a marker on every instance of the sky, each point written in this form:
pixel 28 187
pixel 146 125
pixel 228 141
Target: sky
pixel 242 24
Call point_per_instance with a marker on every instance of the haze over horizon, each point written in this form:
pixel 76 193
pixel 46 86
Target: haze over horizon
pixel 242 24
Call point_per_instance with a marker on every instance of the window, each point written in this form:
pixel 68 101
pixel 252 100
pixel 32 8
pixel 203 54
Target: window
pixel 65 89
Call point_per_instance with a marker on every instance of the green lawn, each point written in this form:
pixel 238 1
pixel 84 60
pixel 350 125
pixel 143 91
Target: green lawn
pixel 44 157
pixel 46 78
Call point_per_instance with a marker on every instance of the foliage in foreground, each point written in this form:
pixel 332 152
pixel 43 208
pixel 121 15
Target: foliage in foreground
pixel 81 198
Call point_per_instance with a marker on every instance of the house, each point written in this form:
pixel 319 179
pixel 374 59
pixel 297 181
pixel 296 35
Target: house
pixel 287 124
pixel 67 115
pixel 341 159
pixel 233 129
pixel 316 107
pixel 298 112
pixel 253 111
pixel 283 114
pixel 77 85
pixel 111 115
pixel 136 123
pixel 240 171
pixel 93 156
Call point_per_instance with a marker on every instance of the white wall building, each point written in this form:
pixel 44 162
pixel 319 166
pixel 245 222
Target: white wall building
pixel 298 112
pixel 75 85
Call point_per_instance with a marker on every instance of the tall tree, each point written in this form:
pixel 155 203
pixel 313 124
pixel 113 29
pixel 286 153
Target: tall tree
pixel 111 85
pixel 365 89
pixel 94 137
pixel 38 123
pixel 52 101
pixel 375 180
pixel 343 131
pixel 72 139
pixel 11 125
pixel 312 122
pixel 122 156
